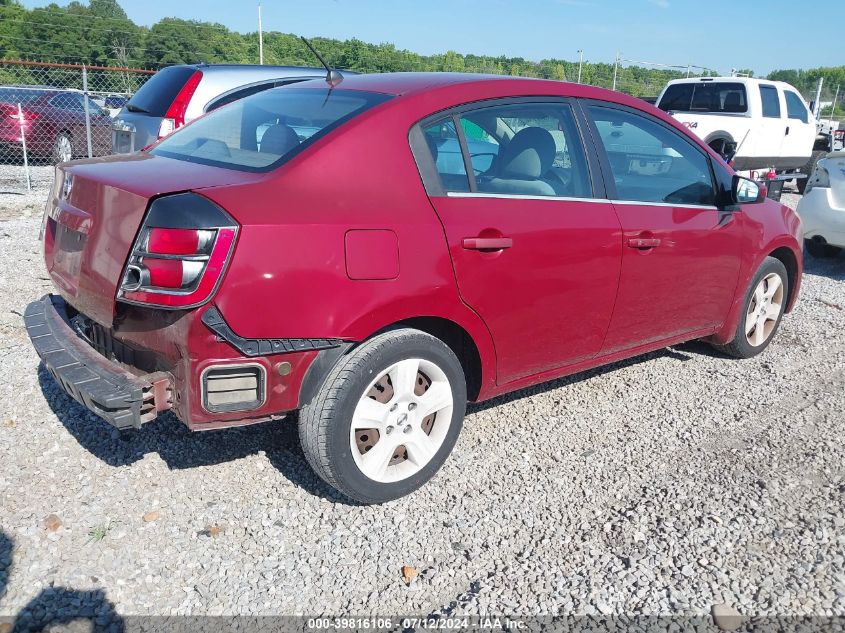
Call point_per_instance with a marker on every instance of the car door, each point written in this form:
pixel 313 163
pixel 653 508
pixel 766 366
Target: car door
pixel 681 254
pixel 801 131
pixel 771 127
pixel 535 247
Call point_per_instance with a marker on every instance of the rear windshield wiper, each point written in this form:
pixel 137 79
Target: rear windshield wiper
pixel 133 108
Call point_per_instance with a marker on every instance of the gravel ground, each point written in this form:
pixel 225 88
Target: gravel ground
pixel 661 485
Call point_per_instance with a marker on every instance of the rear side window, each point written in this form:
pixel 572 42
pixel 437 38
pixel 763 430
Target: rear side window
pixel 771 101
pixel 528 149
pixel 651 163
pixel 260 132
pixel 156 95
pixel 19 95
pixel 795 108
pixel 705 96
pixel 442 139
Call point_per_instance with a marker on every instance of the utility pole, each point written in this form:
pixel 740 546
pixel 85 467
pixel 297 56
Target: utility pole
pixel 260 38
pixel 580 63
pixel 615 70
pixel 833 107
pixel 817 106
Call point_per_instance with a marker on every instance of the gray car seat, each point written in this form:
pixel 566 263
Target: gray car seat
pixel 522 164
pixel 279 139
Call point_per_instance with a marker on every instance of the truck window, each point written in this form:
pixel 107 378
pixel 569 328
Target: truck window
pixel 722 96
pixel 771 101
pixel 795 108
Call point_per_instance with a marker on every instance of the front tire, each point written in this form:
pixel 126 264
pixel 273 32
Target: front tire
pixel 765 302
pixel 386 417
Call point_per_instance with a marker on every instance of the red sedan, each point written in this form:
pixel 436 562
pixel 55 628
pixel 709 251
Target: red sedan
pixel 377 254
pixel 53 123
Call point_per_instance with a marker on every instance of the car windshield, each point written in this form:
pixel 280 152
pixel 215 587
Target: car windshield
pixel 260 132
pixel 19 95
pixel 704 97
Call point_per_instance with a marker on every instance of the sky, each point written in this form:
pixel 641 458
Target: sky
pixel 717 34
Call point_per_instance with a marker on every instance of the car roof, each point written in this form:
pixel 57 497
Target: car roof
pixel 260 68
pixel 397 84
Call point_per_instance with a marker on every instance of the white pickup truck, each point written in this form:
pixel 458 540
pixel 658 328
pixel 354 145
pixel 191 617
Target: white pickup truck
pixel 756 123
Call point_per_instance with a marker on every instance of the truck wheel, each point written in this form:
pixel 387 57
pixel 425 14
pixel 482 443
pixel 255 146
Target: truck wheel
pixel 386 417
pixel 820 249
pixel 801 183
pixel 765 302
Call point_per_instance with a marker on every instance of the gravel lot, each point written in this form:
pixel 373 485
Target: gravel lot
pixel 661 485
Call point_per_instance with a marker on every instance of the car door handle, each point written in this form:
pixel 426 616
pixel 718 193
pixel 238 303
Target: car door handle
pixel 787 131
pixel 486 243
pixel 643 242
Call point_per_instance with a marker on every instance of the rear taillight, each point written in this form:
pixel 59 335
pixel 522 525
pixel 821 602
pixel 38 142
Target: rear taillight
pixel 175 116
pixel 180 254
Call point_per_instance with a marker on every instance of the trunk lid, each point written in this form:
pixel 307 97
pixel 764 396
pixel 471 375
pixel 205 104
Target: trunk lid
pixel 94 212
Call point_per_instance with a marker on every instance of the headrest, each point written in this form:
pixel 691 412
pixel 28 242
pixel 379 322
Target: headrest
pixel 529 154
pixel 279 139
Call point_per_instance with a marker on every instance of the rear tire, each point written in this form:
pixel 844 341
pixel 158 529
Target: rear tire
pixel 371 432
pixel 765 302
pixel 820 249
pixel 62 148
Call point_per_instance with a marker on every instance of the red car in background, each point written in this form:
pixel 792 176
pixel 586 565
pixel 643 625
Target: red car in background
pixel 54 123
pixel 376 254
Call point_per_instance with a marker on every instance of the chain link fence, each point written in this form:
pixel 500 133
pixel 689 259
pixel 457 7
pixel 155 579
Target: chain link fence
pixel 55 112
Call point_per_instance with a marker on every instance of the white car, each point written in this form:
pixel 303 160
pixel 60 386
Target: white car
pixel 755 122
pixel 822 209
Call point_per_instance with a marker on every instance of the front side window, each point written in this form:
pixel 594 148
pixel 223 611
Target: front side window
pixel 651 163
pixel 705 96
pixel 518 149
pixel 795 108
pixel 771 102
pixel 260 132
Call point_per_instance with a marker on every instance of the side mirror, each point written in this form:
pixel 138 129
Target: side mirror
pixel 747 191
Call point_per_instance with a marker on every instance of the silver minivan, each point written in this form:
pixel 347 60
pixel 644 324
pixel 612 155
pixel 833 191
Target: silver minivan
pixel 178 94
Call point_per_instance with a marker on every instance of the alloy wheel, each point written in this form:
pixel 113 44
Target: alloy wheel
pixel 64 149
pixel 764 310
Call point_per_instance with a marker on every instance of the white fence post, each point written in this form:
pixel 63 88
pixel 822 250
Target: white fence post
pixel 87 110
pixel 22 124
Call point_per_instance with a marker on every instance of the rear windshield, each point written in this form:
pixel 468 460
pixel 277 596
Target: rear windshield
pixel 19 95
pixel 260 132
pixel 156 95
pixel 705 97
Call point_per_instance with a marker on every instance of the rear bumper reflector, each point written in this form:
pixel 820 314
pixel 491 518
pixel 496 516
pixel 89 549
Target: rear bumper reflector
pixel 102 386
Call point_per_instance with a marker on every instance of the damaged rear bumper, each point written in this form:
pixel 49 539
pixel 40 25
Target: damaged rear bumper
pixel 121 398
